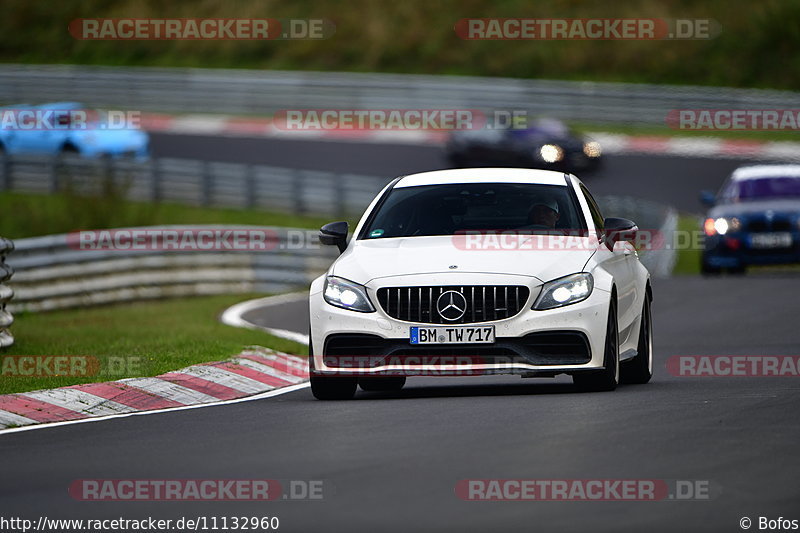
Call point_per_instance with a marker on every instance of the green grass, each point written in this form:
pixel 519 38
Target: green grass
pixel 28 215
pixel 688 256
pixel 133 339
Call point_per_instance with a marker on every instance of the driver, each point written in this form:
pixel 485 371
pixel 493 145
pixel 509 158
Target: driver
pixel 544 213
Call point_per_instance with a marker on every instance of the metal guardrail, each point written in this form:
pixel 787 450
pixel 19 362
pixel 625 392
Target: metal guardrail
pixel 195 182
pixel 53 273
pixel 6 293
pixel 265 92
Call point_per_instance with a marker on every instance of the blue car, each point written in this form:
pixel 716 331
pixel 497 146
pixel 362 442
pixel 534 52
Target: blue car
pixel 69 127
pixel 755 219
pixel 546 143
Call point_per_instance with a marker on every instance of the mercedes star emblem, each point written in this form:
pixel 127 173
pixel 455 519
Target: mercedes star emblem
pixel 451 305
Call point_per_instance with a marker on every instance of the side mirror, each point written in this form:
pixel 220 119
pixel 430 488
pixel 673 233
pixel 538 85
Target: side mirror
pixel 707 198
pixel 619 229
pixel 334 234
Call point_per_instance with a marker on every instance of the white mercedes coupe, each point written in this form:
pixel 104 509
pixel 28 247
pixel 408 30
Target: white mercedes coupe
pixel 481 271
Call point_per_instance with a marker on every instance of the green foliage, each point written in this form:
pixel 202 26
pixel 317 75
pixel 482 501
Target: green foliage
pixel 757 46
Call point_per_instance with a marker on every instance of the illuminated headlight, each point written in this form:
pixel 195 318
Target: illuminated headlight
pixel 551 153
pixel 340 292
pixel 565 291
pixel 592 149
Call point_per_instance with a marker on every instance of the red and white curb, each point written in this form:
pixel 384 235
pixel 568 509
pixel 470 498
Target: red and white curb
pixel 256 372
pixel 612 143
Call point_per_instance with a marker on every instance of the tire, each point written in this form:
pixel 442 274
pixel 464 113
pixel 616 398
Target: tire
pixel 333 387
pixel 640 369
pixel 329 387
pixel 606 379
pixel 382 384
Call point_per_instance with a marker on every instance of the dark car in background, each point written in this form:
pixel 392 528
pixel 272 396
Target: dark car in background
pixel 754 220
pixel 547 144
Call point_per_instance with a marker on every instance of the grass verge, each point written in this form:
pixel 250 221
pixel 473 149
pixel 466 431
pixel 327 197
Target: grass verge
pixel 30 215
pixel 132 339
pixel 688 255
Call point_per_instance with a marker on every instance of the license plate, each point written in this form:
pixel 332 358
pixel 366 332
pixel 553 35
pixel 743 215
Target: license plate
pixel 771 240
pixel 452 335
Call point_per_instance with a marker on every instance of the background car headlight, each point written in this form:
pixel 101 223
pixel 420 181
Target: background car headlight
pixel 565 291
pixel 551 153
pixel 340 292
pixel 721 225
pixel 592 149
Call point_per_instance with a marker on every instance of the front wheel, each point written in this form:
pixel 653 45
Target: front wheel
pixel 640 369
pixel 333 387
pixel 606 379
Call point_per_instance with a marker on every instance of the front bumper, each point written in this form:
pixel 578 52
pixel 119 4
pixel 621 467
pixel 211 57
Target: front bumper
pixel 567 339
pixel 735 250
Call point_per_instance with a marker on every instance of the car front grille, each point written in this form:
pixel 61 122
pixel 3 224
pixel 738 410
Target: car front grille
pixel 480 303
pixel 761 225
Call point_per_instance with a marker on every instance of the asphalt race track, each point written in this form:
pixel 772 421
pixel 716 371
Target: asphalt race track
pixel 390 462
pixel 676 181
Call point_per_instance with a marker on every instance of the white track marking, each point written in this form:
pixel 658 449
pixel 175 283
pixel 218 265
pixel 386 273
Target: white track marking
pixel 220 376
pixel 232 316
pixel 169 390
pixel 264 369
pixel 79 401
pixel 8 418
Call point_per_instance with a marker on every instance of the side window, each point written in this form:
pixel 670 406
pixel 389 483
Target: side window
pixel 597 216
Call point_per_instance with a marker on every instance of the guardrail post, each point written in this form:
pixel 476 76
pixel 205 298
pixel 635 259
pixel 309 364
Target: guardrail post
pixel 6 318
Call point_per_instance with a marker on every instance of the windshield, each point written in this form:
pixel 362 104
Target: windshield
pixel 755 189
pixel 455 208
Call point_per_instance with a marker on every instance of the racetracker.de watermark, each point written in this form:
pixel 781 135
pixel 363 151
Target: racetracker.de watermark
pixel 379 119
pixel 193 29
pixel 196 489
pixel 734 119
pixel 37 366
pixel 38 119
pixel 574 240
pixel 733 366
pixel 200 239
pixel 561 29
pixel 584 489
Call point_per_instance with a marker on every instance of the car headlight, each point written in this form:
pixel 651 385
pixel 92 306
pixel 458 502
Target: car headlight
pixel 565 291
pixel 551 153
pixel 721 225
pixel 340 292
pixel 592 149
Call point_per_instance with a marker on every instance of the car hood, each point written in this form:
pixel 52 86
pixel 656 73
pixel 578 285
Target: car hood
pixel 367 260
pixel 778 205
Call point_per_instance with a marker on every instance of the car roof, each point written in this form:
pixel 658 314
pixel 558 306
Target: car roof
pixel 483 175
pixel 766 171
